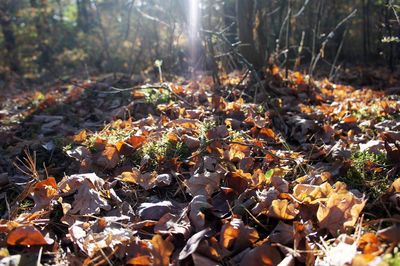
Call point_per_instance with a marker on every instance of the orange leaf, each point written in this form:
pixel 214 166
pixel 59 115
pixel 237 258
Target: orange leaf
pixel 237 236
pixel 267 132
pixel 109 158
pixel 136 141
pixel 81 136
pixel 162 250
pixel 350 119
pixel 43 192
pixel 27 236
pixel 282 209
pixel 140 260
pixel 369 243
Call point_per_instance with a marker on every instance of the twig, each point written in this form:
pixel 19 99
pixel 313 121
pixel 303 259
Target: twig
pixel 330 36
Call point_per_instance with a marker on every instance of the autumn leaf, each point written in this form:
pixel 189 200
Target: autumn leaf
pixel 193 243
pixel 108 158
pixel 283 209
pixel 203 184
pixel 263 255
pixel 340 212
pixel 147 180
pixel 236 236
pixel 136 141
pixel 27 236
pixel 91 194
pixel 162 250
pixel 43 192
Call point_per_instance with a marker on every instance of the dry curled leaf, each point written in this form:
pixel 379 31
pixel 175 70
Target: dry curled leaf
pixel 43 192
pixel 146 180
pixel 263 255
pixel 108 158
pixel 236 236
pixel 162 250
pixel 27 236
pixel 91 193
pixel 203 184
pixel 283 209
pixel 340 212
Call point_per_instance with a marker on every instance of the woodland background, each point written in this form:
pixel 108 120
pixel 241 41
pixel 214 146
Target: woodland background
pixel 44 39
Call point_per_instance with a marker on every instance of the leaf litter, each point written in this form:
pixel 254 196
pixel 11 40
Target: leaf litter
pixel 205 177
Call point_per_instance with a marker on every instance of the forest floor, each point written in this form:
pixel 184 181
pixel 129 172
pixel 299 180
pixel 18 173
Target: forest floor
pixel 106 172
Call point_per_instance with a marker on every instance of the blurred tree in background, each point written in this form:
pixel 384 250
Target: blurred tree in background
pixel 48 39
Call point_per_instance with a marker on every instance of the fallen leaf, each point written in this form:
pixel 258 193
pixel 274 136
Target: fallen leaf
pixel 147 180
pixel 203 184
pixel 43 192
pixel 340 212
pixel 236 236
pixel 162 250
pixel 283 209
pixel 108 158
pixel 90 195
pixel 154 211
pixel 265 255
pixel 193 243
pixel 27 236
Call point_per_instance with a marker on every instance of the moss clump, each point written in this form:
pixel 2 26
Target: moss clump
pixel 393 259
pixel 163 149
pixel 367 173
pixel 156 96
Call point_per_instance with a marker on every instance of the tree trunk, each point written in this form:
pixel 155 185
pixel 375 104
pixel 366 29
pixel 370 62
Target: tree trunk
pixel 42 31
pixel 8 33
pixel 83 21
pixel 245 20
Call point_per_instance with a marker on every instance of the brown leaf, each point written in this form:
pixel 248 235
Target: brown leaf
pixel 218 132
pixel 369 244
pixel 282 233
pixel 236 236
pixel 265 199
pixel 162 250
pixel 391 233
pixel 191 142
pixel 193 243
pixel 238 180
pixel 310 194
pixel 203 184
pixel 27 236
pixel 196 215
pixel 136 141
pixel 154 211
pixel 267 133
pixel 237 152
pixel 283 209
pixel 340 211
pixel 108 158
pixel 90 193
pixel 395 187
pixel 146 180
pixel 81 136
pixel 43 192
pixel 139 253
pixel 173 224
pixel 265 255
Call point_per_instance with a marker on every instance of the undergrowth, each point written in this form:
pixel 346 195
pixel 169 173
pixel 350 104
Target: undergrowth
pixel 367 173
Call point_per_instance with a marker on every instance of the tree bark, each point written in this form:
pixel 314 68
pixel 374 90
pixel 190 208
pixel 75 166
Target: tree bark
pixel 42 31
pixel 245 20
pixel 83 20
